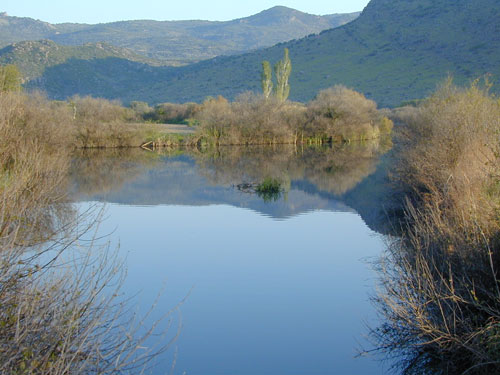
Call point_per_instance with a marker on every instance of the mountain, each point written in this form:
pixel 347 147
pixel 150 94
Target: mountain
pixel 34 57
pixel 395 50
pixel 178 42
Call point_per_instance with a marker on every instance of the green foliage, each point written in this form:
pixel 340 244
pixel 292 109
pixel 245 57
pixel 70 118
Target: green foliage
pixel 172 113
pixel 266 79
pixel 385 53
pixel 385 125
pixel 283 69
pixel 269 189
pixel 141 108
pixel 392 53
pixel 33 58
pixel 10 78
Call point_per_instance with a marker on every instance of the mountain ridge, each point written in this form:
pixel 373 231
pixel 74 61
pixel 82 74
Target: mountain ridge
pixel 178 42
pixel 394 51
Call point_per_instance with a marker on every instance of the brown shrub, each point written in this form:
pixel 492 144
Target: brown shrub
pixel 339 112
pixel 33 160
pixel 251 119
pixel 104 123
pixel 450 152
pixel 59 311
pixel 441 293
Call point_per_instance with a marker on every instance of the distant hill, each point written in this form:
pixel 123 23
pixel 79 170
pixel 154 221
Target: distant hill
pixel 396 50
pixel 34 57
pixel 178 42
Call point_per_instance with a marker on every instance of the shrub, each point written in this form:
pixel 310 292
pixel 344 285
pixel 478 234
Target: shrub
pixel 104 123
pixel 250 119
pixel 140 108
pixel 10 78
pixel 449 152
pixel 342 113
pixel 441 294
pixel 89 110
pixel 60 311
pixel 269 189
pixel 172 113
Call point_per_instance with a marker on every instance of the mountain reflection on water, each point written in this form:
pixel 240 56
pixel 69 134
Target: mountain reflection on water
pixel 347 178
pixel 275 286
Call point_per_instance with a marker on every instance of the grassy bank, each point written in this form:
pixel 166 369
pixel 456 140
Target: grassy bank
pixel 441 290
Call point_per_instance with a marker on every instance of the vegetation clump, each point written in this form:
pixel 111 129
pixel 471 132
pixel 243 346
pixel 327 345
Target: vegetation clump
pixel 336 115
pixel 269 189
pixel 10 78
pixel 441 291
pixel 250 119
pixel 167 113
pixel 344 114
pixel 60 310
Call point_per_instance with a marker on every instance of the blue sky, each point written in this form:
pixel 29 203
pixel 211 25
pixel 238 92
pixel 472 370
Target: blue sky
pixel 96 11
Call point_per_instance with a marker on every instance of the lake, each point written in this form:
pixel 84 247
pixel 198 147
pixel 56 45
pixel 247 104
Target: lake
pixel 275 284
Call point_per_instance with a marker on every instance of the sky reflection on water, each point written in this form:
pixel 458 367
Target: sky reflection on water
pixel 269 290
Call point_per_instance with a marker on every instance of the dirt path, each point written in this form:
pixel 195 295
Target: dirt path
pixel 168 128
pixel 177 129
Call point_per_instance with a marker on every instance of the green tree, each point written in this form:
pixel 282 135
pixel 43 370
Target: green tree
pixel 267 79
pixel 282 69
pixel 10 78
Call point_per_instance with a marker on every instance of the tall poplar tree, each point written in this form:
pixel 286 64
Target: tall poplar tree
pixel 267 79
pixel 282 69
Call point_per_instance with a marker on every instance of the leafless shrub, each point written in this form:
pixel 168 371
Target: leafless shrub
pixel 32 169
pixel 95 110
pixel 344 114
pixel 251 119
pixel 61 311
pixel 440 298
pixel 449 155
pixel 440 294
pixel 103 123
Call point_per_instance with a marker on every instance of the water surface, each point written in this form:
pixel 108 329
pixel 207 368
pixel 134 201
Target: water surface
pixel 277 286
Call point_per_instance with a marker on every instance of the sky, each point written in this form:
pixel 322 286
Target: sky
pixel 99 11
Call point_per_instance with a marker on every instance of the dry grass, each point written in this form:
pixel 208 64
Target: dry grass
pixel 440 294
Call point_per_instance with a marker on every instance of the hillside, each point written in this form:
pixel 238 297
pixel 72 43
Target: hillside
pixel 33 58
pixel 178 42
pixel 396 50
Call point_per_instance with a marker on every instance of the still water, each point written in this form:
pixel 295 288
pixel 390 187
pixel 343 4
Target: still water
pixel 269 286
